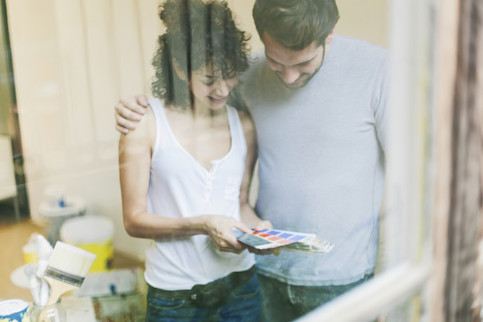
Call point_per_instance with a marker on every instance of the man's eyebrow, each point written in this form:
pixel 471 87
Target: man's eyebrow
pixel 299 64
pixel 305 62
pixel 273 60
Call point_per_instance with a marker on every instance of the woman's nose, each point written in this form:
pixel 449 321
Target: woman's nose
pixel 222 88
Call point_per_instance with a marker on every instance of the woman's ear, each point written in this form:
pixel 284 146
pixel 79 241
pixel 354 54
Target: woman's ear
pixel 328 39
pixel 178 71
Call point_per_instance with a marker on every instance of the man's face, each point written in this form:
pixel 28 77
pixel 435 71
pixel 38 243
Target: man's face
pixel 294 67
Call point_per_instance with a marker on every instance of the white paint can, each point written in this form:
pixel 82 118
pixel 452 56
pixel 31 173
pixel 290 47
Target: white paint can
pixel 14 311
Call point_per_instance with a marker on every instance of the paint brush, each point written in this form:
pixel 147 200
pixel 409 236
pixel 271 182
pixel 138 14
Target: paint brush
pixel 34 282
pixel 68 266
pixel 44 250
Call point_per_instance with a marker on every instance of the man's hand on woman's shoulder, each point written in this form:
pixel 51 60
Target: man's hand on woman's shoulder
pixel 129 111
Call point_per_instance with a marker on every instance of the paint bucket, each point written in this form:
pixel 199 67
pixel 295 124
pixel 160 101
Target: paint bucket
pixel 14 311
pixel 93 234
pixel 30 253
pixel 56 214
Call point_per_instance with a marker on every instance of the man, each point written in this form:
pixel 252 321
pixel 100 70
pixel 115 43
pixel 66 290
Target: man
pixel 318 103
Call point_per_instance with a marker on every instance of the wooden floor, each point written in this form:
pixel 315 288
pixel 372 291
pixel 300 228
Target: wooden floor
pixel 12 237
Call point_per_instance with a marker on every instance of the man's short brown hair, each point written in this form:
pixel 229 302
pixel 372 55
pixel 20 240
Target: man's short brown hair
pixel 295 24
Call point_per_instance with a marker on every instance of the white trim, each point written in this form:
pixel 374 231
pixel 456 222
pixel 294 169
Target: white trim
pixel 365 302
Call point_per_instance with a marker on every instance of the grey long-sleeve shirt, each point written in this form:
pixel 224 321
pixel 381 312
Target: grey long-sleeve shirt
pixel 321 160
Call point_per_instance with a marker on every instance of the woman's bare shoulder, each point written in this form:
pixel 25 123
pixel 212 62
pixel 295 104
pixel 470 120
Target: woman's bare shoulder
pixel 145 130
pixel 246 120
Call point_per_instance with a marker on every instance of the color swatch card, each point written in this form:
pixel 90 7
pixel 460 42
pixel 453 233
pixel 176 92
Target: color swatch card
pixel 289 240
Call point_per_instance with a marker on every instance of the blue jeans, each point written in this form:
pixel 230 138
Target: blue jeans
pixel 242 304
pixel 285 302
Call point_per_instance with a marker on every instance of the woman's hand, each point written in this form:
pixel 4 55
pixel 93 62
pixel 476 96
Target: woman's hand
pixel 219 228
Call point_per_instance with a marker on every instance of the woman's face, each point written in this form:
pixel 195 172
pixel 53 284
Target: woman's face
pixel 210 89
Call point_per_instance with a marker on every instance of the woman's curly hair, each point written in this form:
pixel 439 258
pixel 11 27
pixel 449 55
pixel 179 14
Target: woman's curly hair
pixel 198 33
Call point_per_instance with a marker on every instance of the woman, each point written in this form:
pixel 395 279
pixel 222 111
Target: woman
pixel 185 172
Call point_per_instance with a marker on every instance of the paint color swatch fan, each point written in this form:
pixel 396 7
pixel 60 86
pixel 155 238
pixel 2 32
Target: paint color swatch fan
pixel 286 240
pixel 68 266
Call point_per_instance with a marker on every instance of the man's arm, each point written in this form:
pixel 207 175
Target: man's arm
pixel 247 214
pixel 129 111
pixel 381 110
pixel 235 99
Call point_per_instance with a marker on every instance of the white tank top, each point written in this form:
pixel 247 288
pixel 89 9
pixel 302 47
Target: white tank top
pixel 181 187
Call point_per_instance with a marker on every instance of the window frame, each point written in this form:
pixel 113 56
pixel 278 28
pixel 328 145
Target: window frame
pixel 417 47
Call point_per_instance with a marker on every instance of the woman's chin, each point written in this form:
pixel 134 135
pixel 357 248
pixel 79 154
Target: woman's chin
pixel 216 104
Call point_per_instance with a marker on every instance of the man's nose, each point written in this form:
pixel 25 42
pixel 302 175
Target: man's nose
pixel 289 75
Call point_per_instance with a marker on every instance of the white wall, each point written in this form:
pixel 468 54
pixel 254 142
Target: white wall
pixel 73 60
pixel 365 19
